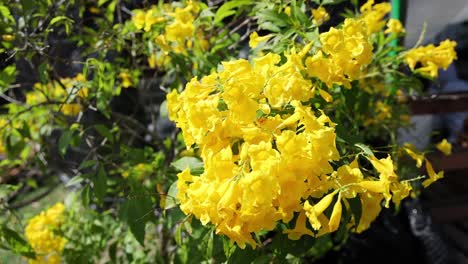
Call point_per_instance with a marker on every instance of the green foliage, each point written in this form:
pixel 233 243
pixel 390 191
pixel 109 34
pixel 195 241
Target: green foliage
pixel 11 240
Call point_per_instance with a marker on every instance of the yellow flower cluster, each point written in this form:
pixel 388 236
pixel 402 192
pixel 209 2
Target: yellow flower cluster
pixel 394 26
pixel 54 91
pixel 431 57
pixel 348 182
pixel 177 33
pixel 40 234
pixel 258 168
pixel 267 155
pixel 345 52
pixel 146 19
pixel 181 30
pixel 374 15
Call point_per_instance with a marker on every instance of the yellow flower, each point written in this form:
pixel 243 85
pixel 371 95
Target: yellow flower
pixel 384 167
pixel 370 209
pixel 151 18
pixel 40 235
pixel 138 19
pixel 326 96
pixel 34 98
pixel 84 91
pixel 335 217
pixel 400 191
pixel 313 212
pixel 71 109
pixel 373 186
pixel 255 39
pixel 320 15
pixel 432 57
pixel 300 229
pixel 126 79
pixel 387 175
pixel 413 153
pixel 430 70
pixel 181 32
pixel 373 15
pixel 432 176
pixel 445 147
pixel 152 61
pixel 344 55
pixel 394 26
pixel 384 111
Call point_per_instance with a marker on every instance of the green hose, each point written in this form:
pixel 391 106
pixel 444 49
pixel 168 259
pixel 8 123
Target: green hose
pixel 395 14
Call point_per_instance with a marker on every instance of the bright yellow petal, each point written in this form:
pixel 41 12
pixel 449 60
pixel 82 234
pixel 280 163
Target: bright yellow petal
pixel 445 147
pixel 373 186
pixel 255 39
pixel 335 217
pixel 431 174
pixel 326 96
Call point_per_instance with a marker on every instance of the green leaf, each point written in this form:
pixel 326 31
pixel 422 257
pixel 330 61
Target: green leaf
pixel 7 76
pixel 61 20
pixel 105 132
pixel 64 141
pixel 17 243
pixel 113 252
pixel 222 106
pixel 163 113
pixel 187 162
pixel 75 180
pixel 24 131
pixel 171 197
pixel 262 259
pixel 178 234
pixel 100 184
pixel 136 212
pixel 278 19
pixel 228 246
pixel 331 2
pixel 299 14
pixel 7 189
pixel 14 147
pixel 87 163
pixel 209 245
pixel 227 9
pixel 86 196
pixel 269 26
pixel 110 10
pixel 365 149
pixel 43 72
pixel 6 14
pixel 243 255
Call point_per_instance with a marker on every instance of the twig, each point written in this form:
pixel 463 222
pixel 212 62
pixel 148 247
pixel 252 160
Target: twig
pixel 32 200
